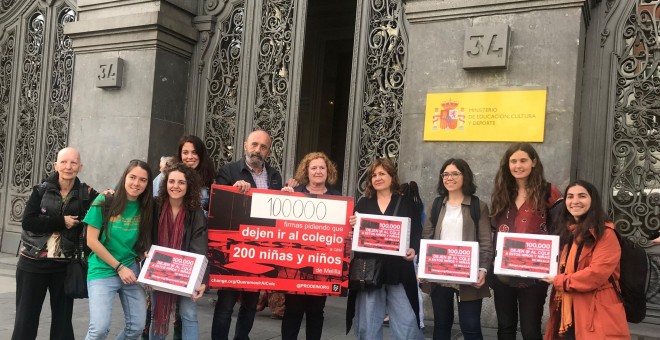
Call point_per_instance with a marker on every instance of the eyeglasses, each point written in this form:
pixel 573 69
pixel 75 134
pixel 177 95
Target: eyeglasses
pixel 453 175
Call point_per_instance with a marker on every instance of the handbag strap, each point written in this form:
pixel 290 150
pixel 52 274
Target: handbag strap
pixel 396 207
pixel 80 251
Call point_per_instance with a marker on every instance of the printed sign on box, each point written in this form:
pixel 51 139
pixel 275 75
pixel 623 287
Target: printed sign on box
pixel 173 271
pixel 449 261
pixel 279 241
pixel 389 235
pixel 526 255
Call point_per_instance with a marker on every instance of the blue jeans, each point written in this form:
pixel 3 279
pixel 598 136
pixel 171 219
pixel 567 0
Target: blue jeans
pixel 225 307
pixel 469 315
pixel 370 306
pixel 188 313
pixel 133 301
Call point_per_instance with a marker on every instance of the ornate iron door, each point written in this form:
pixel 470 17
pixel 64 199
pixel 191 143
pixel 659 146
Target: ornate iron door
pixel 36 71
pixel 634 167
pixel 249 77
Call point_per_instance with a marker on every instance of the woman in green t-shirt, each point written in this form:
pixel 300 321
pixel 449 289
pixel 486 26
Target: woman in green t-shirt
pixel 119 232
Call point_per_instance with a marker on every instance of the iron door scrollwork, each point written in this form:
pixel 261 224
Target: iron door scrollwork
pixel 635 170
pixel 382 113
pixel 6 71
pixel 57 122
pixel 224 80
pixel 273 72
pixel 635 167
pixel 30 96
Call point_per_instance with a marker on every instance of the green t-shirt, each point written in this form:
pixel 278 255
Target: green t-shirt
pixel 123 230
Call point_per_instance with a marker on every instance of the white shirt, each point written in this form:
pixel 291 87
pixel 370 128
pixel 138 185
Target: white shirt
pixel 452 223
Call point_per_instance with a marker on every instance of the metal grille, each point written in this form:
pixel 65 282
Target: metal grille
pixel 273 73
pixel 6 71
pixel 224 80
pixel 57 124
pixel 635 171
pixel 382 113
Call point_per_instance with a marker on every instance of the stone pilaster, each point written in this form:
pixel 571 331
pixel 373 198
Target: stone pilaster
pixel 145 117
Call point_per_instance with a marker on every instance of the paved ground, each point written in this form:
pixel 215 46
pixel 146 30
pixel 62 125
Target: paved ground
pixel 264 327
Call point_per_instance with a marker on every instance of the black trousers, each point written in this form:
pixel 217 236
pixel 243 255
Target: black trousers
pixel 527 302
pixel 30 294
pixel 296 306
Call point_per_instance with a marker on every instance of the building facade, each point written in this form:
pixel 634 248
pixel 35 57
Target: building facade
pixel 124 79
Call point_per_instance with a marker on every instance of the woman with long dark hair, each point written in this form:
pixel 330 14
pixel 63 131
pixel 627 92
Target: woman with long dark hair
pixel 118 233
pixel 521 203
pixel 454 222
pixel 179 223
pixel 398 294
pixel 584 303
pixel 193 154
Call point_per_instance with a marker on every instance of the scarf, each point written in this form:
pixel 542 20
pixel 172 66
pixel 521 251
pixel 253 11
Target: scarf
pixel 564 300
pixel 170 235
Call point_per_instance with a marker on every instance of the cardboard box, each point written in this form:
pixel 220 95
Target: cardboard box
pixel 173 271
pixel 526 255
pixel 449 261
pixel 379 234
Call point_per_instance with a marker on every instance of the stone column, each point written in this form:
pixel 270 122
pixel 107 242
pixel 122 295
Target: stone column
pixel 546 43
pixel 144 117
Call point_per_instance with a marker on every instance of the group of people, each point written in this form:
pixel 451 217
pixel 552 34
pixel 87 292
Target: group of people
pixel 584 303
pixel 170 210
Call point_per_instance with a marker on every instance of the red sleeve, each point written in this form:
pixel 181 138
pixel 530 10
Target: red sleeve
pixel 555 195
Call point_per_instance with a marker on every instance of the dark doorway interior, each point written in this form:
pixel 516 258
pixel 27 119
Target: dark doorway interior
pixel 326 80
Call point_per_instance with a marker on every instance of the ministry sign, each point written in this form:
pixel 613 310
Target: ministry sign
pixel 486 115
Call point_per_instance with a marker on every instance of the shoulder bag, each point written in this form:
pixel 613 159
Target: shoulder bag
pixel 367 273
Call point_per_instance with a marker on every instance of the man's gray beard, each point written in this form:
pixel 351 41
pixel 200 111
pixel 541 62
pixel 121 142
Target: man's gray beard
pixel 252 160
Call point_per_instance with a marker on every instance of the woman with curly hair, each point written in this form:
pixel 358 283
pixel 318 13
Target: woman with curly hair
pixel 316 173
pixel 179 223
pixel 521 203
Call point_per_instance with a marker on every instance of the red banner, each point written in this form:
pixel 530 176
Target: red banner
pixel 279 241
pixel 527 254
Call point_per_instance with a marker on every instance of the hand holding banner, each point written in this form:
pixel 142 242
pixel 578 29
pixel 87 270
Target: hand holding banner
pixel 275 240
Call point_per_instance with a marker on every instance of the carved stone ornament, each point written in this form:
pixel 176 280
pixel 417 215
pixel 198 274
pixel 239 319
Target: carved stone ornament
pixel 635 169
pixel 610 8
pixel 224 76
pixel 214 7
pixel 5 5
pixel 273 71
pixel 382 113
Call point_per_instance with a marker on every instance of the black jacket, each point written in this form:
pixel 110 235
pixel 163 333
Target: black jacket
pixel 44 215
pixel 236 171
pixel 195 233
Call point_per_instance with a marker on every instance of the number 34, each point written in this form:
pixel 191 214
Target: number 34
pixel 488 42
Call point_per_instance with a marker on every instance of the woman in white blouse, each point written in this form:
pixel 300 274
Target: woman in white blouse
pixel 455 222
